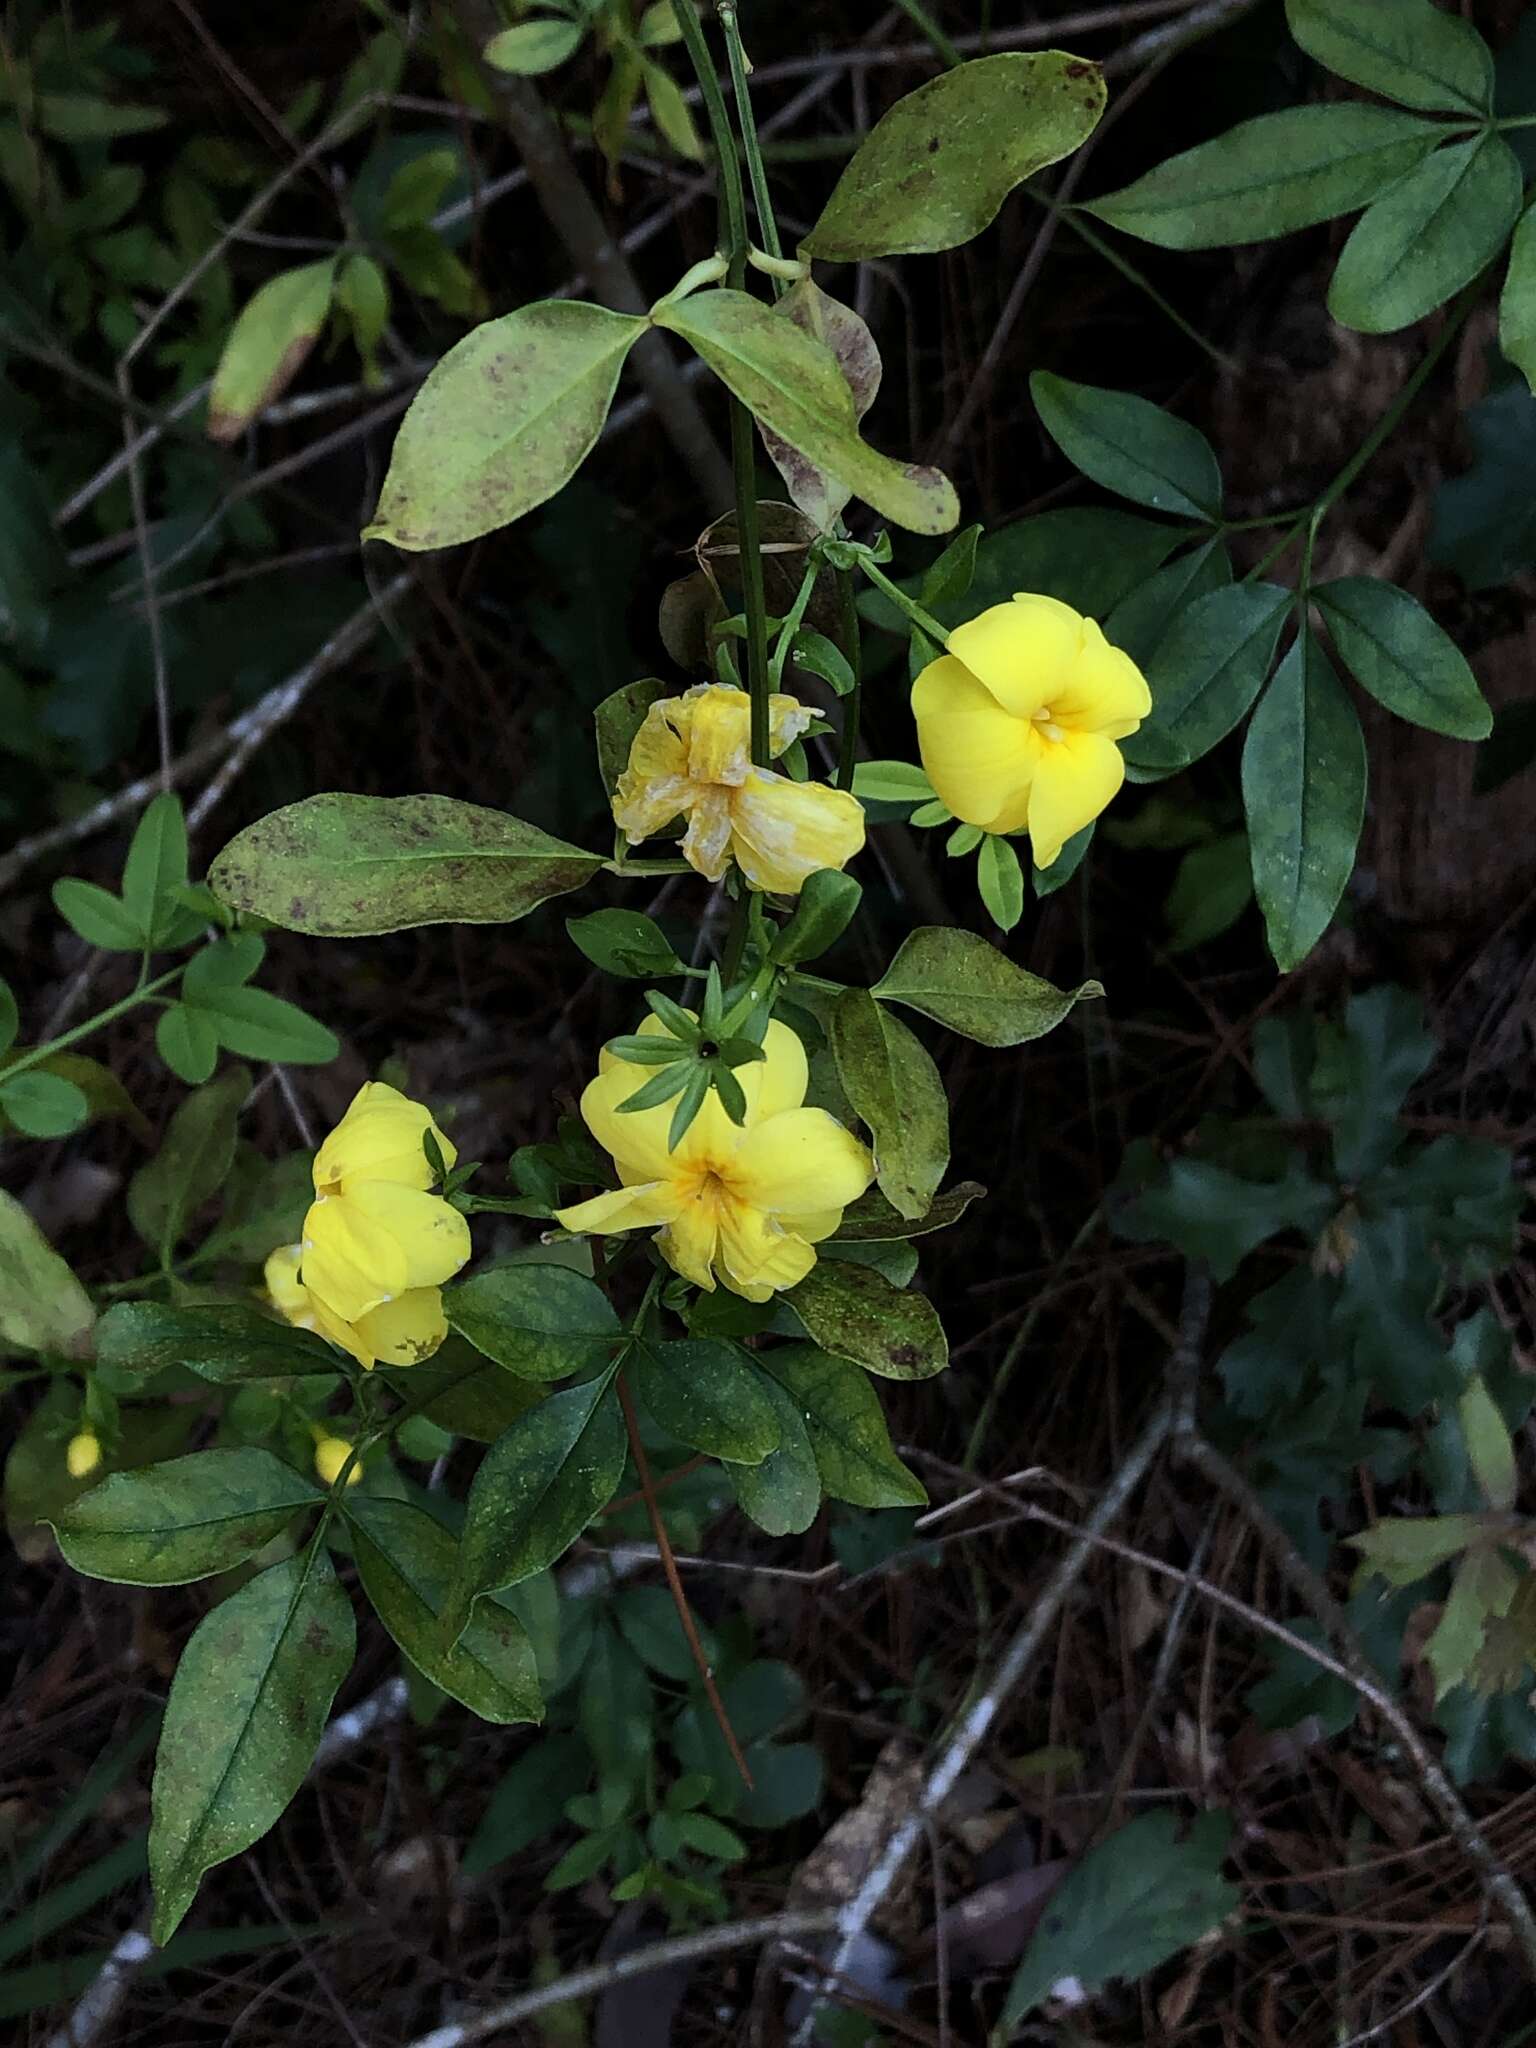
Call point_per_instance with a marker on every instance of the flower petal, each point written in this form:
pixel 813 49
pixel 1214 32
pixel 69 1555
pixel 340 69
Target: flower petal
pixel 285 1290
pixel 979 757
pixel 757 1255
pixel 637 1140
pixel 1077 776
pixel 431 1235
pixel 801 1161
pixel 351 1262
pixel 633 1208
pixel 707 842
pixel 1022 652
pixel 406 1331
pixel 380 1138
pixel 1106 692
pixel 778 1080
pixel 787 719
pixel 783 831
pixel 654 788
pixel 690 1242
pixel 719 734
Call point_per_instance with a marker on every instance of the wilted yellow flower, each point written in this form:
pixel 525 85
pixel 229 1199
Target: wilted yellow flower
pixel 692 758
pixel 1017 722
pixel 399 1332
pixel 331 1453
pixel 82 1454
pixel 745 1203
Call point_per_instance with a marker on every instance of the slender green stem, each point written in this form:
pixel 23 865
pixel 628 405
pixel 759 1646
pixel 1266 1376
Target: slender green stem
pixel 925 621
pixel 1128 270
pixel 792 623
pixel 145 993
pixel 1391 418
pixel 921 19
pixel 853 703
pixel 752 150
pixel 733 205
pixel 1268 560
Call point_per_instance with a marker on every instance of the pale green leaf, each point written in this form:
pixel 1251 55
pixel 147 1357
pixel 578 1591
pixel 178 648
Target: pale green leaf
pixel 166 1525
pixel 267 346
pixel 534 47
pixel 43 1307
pixel 971 987
pixel 855 1313
pixel 893 1085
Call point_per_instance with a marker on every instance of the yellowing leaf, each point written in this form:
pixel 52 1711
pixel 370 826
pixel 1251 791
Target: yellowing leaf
pixel 267 345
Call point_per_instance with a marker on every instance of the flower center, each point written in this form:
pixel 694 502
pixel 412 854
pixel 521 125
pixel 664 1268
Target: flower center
pixel 1046 721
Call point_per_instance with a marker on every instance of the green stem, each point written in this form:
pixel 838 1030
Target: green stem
pixel 1391 418
pixel 921 19
pixel 733 205
pixel 1128 270
pixel 793 621
pixel 751 148
pixel 853 703
pixel 143 994
pixel 924 621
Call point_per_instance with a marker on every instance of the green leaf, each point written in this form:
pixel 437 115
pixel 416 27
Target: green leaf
pixel 1482 1591
pixel 362 294
pixel 43 1307
pixel 827 320
pixel 1001 882
pixel 165 1525
pixel 1134 1900
pixel 405 1560
pixel 227 963
pixel 259 1026
pixel 891 782
pixel 225 1342
pixel 246 1710
pixel 1145 616
pixel 156 865
pixel 1407 50
pixel 825 907
pixel 1427 236
pixel 619 717
pixel 671 113
pixel 537 1488
pixel 1212 889
pixel 791 383
pixel 842 1418
pixel 188 1043
pixel 1402 1552
pixel 967 985
pixel 706 1394
pixel 1270 176
pixel 893 1085
pixel 192 1164
pixel 529 1802
pixel 1209 667
pixel 1130 446
pixel 936 167
pixel 81 117
pixel 872 1219
pixel 534 47
pixel 418 189
pixel 43 1105
pixel 1394 649
pixel 505 418
pixel 1483 523
pixel 624 942
pixel 1304 793
pixel 1490 1449
pixel 346 867
pixel 267 346
pixel 1517 302
pixel 100 918
pixel 542 1322
pixel 464 1393
pixel 783 1493
pixel 855 1313
pixel 1216 1215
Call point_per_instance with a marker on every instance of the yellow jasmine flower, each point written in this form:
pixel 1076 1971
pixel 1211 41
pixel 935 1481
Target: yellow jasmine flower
pixel 692 758
pixel 331 1453
pixel 747 1203
pixel 82 1454
pixel 399 1332
pixel 1017 722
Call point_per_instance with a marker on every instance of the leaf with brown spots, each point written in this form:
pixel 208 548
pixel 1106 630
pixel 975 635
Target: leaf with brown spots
pixel 166 1525
pixel 267 346
pixel 821 497
pixel 855 1313
pixel 894 1086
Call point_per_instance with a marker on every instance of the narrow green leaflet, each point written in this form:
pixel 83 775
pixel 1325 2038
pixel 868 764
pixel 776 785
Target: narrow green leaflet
pixel 259 1026
pixel 1407 50
pixel 1517 302
pixel 540 1322
pixel 187 1042
pixel 872 1219
pixel 849 1439
pixel 506 417
pixel 1000 880
pixel 1304 772
pixel 1134 1900
pixel 405 1560
pixel 1209 667
pixel 100 918
pixel 1427 236
pixel 855 1313
pixel 267 345
pixel 1490 1448
pixel 1130 446
pixel 536 1490
pixel 936 167
pixel 707 1395
pixel 533 47
pixel 246 1709
pixel 224 1342
pixel 156 864
pixel 626 943
pixel 792 384
pixel 1482 1591
pixel 1270 176
pixel 783 1493
pixel 1394 649
pixel 895 1088
pixel 192 1164
pixel 43 1307
pixel 969 986
pixel 347 867
pixel 1145 616
pixel 165 1525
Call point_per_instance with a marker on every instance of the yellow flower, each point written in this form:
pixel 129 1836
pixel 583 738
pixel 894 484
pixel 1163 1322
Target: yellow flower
pixel 82 1454
pixel 692 758
pixel 331 1453
pixel 745 1203
pixel 1017 722
pixel 400 1332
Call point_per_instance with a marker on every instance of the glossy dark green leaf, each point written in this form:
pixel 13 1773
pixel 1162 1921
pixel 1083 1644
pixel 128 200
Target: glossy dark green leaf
pixel 706 1394
pixel 1407 50
pixel 855 1313
pixel 849 1439
pixel 1209 667
pixel 1304 771
pixel 1271 176
pixel 534 47
pixel 873 1220
pixel 894 1086
pixel 465 1393
pixel 971 987
pixel 937 166
pixel 246 1710
pixel 542 1322
pixel 825 907
pixel 783 1493
pixel 224 1341
pixel 165 1525
pixel 405 1560
pixel 624 942
pixel 351 866
pixel 1130 446
pixel 1393 648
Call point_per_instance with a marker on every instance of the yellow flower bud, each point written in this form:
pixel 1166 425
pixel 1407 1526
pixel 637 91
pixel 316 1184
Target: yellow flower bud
pixel 82 1454
pixel 692 759
pixel 1017 722
pixel 747 1203
pixel 331 1453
